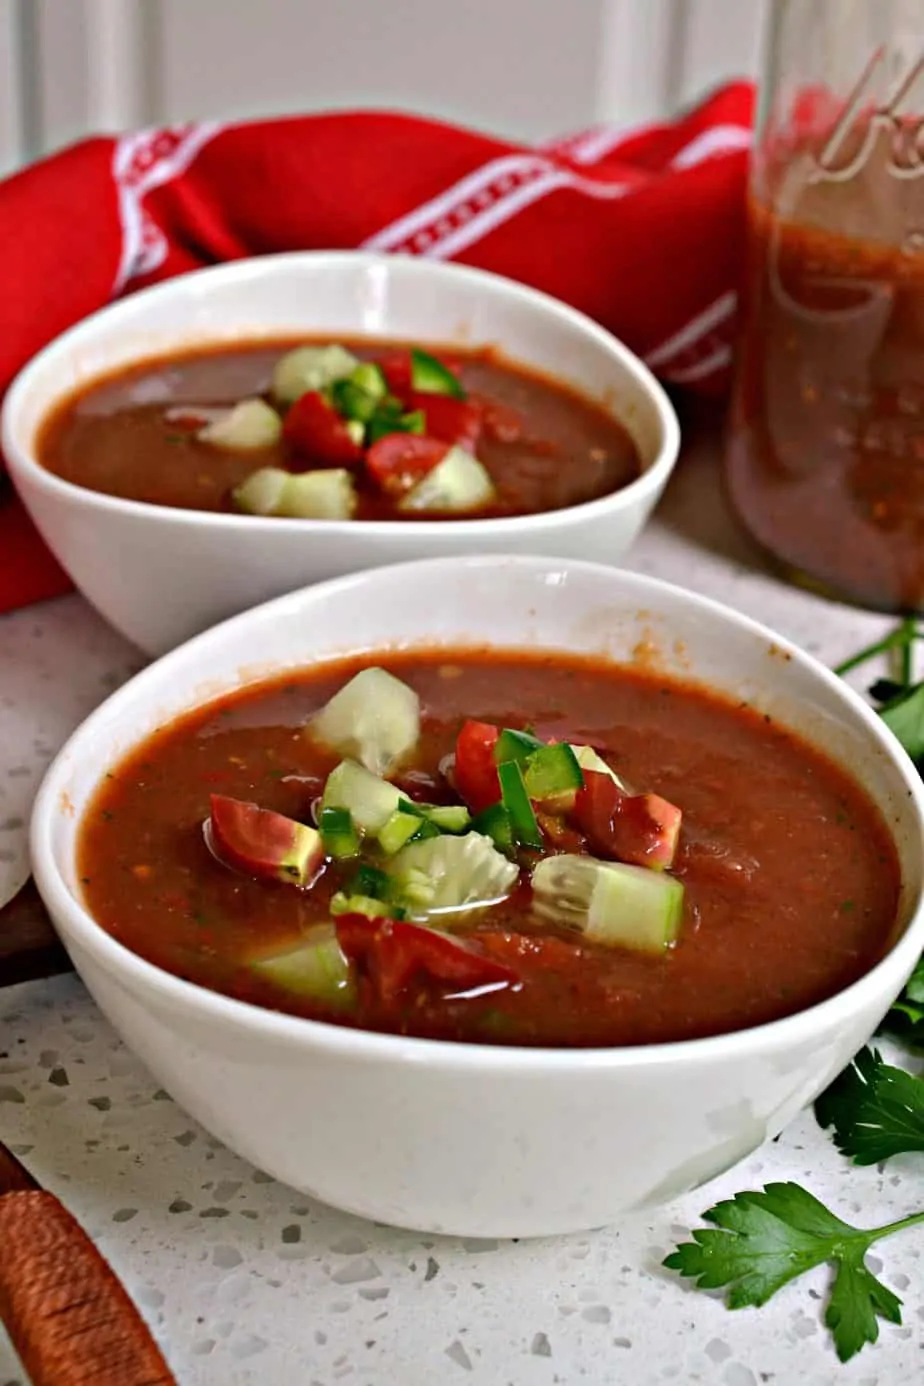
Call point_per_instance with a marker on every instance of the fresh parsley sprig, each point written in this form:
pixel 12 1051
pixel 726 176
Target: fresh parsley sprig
pixel 760 1240
pixel 906 1017
pixel 876 1110
pixel 900 698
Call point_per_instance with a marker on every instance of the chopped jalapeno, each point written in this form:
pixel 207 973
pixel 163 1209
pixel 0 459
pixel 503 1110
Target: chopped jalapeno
pixel 431 377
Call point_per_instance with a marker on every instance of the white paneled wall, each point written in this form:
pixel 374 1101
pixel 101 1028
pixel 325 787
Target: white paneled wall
pixel 12 134
pixel 528 69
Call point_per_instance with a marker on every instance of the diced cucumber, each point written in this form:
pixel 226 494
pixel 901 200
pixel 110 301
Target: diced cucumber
pixel 350 400
pixel 315 968
pixel 343 903
pixel 322 495
pixel 370 377
pixel 450 874
pixel 398 831
pixel 588 759
pixel 369 800
pixel 516 801
pixel 310 368
pixel 430 376
pixel 413 821
pixel 375 719
pixel 515 745
pixel 620 906
pixel 261 493
pixel 552 771
pixel 359 394
pixel 449 818
pixel 338 833
pixel 249 425
pixel 458 483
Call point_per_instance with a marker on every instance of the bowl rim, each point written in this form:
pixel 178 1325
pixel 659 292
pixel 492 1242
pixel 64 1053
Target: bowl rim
pixel 23 462
pixel 121 963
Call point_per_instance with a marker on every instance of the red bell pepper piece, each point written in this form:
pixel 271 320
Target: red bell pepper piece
pixel 315 430
pixel 641 829
pixel 399 460
pixel 456 421
pixel 394 954
pixel 475 770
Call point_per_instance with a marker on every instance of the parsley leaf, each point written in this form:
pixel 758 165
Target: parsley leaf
pixel 856 1302
pixel 761 1240
pixel 877 1111
pixel 906 1018
pixel 904 716
pixel 914 990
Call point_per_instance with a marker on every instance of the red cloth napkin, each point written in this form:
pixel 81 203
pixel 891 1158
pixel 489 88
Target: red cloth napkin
pixel 642 230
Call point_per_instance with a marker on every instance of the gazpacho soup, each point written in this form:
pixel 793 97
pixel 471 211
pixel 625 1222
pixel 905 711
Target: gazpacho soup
pixel 338 431
pixel 493 846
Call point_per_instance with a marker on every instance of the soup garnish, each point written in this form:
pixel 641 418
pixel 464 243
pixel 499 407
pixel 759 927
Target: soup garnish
pixel 618 861
pixel 335 431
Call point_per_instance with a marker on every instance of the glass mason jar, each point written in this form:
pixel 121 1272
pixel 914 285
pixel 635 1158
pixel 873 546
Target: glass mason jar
pixel 825 451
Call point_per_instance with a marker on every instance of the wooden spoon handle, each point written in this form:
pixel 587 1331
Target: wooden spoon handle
pixel 67 1315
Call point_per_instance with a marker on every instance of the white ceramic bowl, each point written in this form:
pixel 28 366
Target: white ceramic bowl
pixel 473 1139
pixel 160 575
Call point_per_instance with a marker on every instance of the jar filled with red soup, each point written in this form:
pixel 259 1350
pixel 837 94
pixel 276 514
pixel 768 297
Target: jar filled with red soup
pixel 825 454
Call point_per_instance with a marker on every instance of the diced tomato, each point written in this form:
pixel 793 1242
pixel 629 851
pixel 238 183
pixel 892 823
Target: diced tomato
pixel 394 953
pixel 557 834
pixel 396 368
pixel 399 460
pixel 456 421
pixel 596 808
pixel 315 430
pixel 502 423
pixel 263 843
pixel 641 829
pixel 475 771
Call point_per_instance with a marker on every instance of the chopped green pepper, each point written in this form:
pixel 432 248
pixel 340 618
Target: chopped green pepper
pixel 516 802
pixel 388 418
pixel 516 745
pixel 449 818
pixel 494 822
pixel 338 833
pixel 401 828
pixel 369 880
pixel 360 394
pixel 431 377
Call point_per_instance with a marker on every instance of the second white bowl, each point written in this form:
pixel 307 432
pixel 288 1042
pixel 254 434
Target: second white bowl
pixel 160 575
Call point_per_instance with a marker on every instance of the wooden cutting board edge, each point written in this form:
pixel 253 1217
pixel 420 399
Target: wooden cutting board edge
pixel 29 947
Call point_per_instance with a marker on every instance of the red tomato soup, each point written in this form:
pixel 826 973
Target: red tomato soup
pixel 499 847
pixel 355 430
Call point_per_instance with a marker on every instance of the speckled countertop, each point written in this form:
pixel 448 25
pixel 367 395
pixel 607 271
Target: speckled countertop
pixel 246 1282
